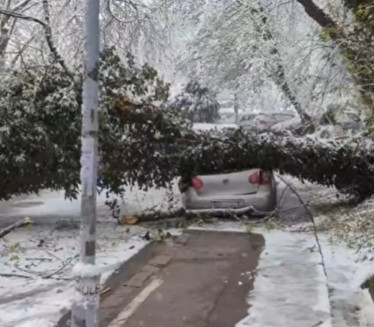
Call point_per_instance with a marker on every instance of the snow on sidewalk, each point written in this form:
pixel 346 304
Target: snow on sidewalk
pixel 351 306
pixel 51 247
pixel 290 288
pixel 33 300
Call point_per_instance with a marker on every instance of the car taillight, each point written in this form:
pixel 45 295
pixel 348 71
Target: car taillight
pixel 255 178
pixel 261 178
pixel 197 183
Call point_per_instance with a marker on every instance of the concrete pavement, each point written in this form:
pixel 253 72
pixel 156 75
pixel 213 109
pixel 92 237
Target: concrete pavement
pixel 202 279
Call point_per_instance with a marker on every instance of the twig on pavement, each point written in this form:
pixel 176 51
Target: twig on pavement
pixel 47 276
pixel 105 290
pixel 53 255
pixel 67 262
pixel 38 259
pixel 28 271
pixel 16 275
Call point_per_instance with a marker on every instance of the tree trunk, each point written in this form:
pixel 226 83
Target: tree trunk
pixel 86 305
pixel 317 14
pixel 354 44
pixel 4 40
pixel 236 108
pixel 280 76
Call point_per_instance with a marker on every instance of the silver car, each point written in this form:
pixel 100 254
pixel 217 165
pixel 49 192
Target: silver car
pixel 251 191
pixel 264 121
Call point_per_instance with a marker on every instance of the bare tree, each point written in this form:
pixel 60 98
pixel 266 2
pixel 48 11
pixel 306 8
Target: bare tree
pixel 7 26
pixel 356 41
pixel 261 24
pixel 44 24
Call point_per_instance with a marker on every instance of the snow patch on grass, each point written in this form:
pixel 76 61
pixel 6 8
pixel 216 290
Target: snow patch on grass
pixel 52 247
pixel 346 272
pixel 33 301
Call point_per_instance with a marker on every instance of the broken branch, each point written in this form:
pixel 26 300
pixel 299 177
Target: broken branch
pixel 20 223
pixel 15 275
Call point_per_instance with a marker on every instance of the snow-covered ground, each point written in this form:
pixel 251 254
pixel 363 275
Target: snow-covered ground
pixel 290 287
pixel 36 261
pixel 297 286
pixel 36 285
pixel 209 127
pixel 351 306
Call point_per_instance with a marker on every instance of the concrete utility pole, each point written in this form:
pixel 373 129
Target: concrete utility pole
pixel 86 304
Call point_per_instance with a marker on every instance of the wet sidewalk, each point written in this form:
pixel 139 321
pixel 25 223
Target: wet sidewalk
pixel 201 279
pixel 211 279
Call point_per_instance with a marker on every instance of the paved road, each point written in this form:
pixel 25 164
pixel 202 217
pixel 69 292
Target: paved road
pixel 200 280
pixel 48 208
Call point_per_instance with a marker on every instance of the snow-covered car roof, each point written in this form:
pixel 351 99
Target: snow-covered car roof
pixel 209 127
pixel 294 122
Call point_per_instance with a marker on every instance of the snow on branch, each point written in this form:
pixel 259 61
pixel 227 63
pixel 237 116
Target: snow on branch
pixel 47 30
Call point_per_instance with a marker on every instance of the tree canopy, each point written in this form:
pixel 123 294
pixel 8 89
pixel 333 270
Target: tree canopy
pixel 256 50
pixel 199 102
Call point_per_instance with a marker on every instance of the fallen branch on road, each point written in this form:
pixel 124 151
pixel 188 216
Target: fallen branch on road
pixel 50 275
pixel 67 263
pixel 20 223
pixel 16 275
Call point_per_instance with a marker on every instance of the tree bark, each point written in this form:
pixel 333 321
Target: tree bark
pixel 280 75
pixel 354 44
pixel 317 14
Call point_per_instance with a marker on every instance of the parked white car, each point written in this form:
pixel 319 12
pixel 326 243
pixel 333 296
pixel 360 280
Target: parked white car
pixel 290 125
pixel 256 122
pixel 250 191
pixel 264 121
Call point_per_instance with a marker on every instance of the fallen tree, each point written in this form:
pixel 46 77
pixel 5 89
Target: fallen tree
pixel 142 140
pixel 349 168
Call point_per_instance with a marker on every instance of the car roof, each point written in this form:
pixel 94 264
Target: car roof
pixel 209 126
pixel 268 113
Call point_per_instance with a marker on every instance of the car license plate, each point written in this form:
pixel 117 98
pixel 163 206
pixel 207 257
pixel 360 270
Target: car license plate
pixel 227 204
